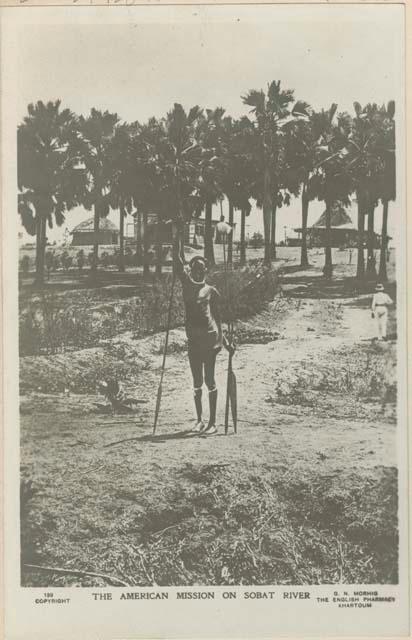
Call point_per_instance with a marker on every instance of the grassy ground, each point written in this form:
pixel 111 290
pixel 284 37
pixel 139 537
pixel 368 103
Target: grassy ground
pixel 306 493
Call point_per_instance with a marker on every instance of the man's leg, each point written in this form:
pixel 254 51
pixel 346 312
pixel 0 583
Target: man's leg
pixel 210 361
pixel 196 367
pixel 379 319
pixel 384 320
pixel 378 326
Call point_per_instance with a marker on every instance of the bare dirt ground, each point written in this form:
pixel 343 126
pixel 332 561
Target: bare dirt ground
pixel 306 492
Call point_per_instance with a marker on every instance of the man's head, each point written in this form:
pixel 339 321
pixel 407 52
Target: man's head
pixel 198 268
pixel 379 287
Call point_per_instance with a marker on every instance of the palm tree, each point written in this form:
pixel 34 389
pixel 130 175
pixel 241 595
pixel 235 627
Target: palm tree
pixel 235 174
pixel 97 131
pixel 302 162
pixel 213 133
pixel 370 260
pixel 122 172
pixel 387 150
pixel 173 162
pixel 146 181
pixel 238 175
pixel 368 123
pixel 49 184
pixel 245 211
pixel 328 180
pixel 272 115
pixel 282 198
pixel 287 180
pixel 364 165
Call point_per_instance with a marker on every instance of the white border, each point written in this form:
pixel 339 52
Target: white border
pixel 84 617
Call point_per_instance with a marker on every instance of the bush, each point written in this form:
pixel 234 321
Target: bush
pixel 256 241
pixel 105 259
pixel 49 260
pixel 360 373
pixel 49 324
pixel 244 291
pixel 24 264
pixel 81 259
pixel 66 260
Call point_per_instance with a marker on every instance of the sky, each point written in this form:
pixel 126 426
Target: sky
pixel 138 61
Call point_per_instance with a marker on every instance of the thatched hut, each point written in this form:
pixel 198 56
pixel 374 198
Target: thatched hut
pixel 343 231
pixel 156 230
pixel 84 234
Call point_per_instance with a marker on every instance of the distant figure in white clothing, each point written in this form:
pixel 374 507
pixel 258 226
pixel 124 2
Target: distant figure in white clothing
pixel 380 303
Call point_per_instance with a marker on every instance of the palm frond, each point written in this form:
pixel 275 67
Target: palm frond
pixel 391 109
pixel 194 114
pixel 27 215
pixel 256 100
pixel 332 111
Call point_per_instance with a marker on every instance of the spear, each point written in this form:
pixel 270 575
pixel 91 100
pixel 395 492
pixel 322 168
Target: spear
pixel 231 386
pixel 160 388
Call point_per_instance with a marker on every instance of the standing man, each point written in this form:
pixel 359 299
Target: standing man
pixel 204 334
pixel 380 303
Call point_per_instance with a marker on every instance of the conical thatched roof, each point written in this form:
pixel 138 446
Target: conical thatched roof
pixel 339 218
pixel 88 225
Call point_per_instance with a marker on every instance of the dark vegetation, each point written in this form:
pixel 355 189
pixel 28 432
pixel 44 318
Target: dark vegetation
pixel 141 513
pixel 133 514
pixel 51 322
pixel 189 161
pixel 211 526
pixel 360 375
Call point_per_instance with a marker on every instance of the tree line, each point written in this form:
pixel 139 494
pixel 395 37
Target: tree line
pixel 182 164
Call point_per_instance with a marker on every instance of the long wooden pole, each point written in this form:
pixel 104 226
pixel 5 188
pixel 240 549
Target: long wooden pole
pixel 160 388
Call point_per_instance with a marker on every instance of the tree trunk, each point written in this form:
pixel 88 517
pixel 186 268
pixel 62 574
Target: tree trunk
pixel 230 236
pixel 242 238
pixel 304 262
pixel 159 248
pixel 138 238
pixel 267 215
pixel 182 242
pixel 370 265
pixel 273 233
pixel 383 276
pixel 95 239
pixel 40 248
pixel 146 266
pixel 328 268
pixel 208 251
pixel 121 240
pixel 175 248
pixel 360 271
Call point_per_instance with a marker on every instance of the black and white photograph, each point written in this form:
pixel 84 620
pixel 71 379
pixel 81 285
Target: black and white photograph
pixel 209 227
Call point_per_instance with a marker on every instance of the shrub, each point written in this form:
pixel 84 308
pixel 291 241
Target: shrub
pixel 25 264
pixel 256 240
pixel 105 259
pixel 358 373
pixel 49 259
pixel 49 324
pixel 66 260
pixel 80 259
pixel 244 291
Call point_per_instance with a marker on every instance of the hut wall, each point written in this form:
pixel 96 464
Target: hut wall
pixel 339 237
pixel 193 231
pixel 86 238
